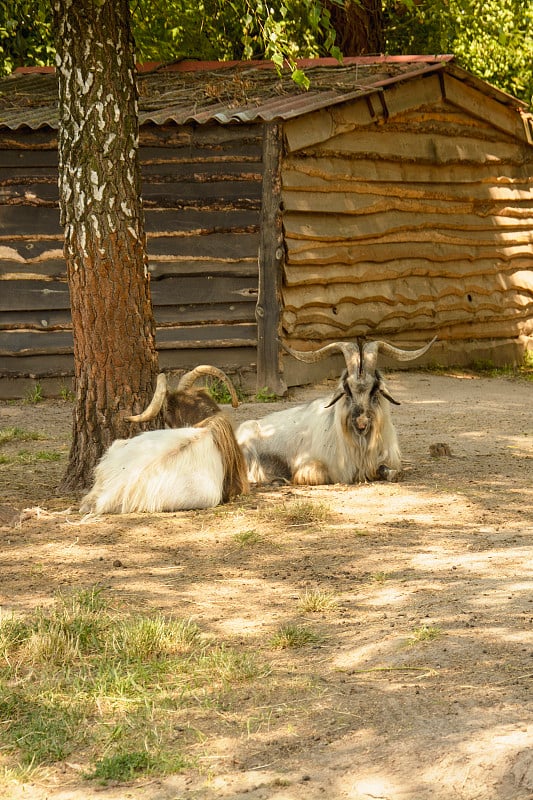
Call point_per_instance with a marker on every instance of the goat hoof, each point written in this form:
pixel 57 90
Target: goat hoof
pixel 385 473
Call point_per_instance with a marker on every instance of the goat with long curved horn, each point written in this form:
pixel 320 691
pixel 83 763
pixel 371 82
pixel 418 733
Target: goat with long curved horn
pixel 156 403
pixel 185 406
pixel 189 378
pixel 372 349
pixel 346 438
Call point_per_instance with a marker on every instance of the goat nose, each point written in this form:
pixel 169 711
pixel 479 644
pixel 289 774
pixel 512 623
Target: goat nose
pixel 361 422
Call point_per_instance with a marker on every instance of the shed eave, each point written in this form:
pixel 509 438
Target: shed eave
pixel 28 100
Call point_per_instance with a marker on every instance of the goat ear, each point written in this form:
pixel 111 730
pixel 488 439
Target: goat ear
pixel 385 392
pixel 340 390
pixel 382 388
pixel 336 397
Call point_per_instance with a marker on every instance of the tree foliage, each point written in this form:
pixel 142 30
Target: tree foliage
pixel 26 36
pixel 491 38
pixel 280 30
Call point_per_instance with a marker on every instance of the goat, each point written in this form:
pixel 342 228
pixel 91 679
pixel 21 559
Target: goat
pixel 169 470
pixel 185 406
pixel 346 438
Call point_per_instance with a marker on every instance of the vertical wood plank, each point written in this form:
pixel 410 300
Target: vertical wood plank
pixel 271 253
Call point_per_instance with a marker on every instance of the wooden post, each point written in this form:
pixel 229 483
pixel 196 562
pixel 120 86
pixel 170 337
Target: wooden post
pixel 271 255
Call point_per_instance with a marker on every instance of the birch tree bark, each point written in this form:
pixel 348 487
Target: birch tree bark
pixel 99 187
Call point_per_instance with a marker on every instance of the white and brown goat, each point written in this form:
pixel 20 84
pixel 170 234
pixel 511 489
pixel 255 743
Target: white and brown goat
pixel 184 405
pixel 169 470
pixel 346 438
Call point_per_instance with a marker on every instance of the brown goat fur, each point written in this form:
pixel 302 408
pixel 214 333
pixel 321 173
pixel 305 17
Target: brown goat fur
pixel 235 467
pixel 183 409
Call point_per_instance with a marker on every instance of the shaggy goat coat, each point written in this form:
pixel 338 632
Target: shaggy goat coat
pixel 169 470
pixel 346 438
pixel 318 444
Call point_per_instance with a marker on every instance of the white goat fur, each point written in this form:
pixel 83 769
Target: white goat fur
pixel 318 445
pixel 165 470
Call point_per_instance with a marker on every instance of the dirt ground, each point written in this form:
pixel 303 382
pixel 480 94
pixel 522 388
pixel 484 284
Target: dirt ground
pixel 379 710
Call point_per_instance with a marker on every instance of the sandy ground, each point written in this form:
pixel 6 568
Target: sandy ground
pixel 373 711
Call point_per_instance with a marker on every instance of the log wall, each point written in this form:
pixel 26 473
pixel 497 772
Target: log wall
pixel 405 213
pixel 202 198
pixel 410 223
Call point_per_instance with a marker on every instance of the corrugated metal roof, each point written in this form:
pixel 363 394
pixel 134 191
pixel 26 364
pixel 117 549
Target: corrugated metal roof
pixel 229 92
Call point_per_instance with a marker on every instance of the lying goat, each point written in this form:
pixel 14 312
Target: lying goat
pixel 185 406
pixel 169 470
pixel 347 438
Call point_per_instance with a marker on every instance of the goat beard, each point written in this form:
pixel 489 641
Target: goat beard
pixel 235 468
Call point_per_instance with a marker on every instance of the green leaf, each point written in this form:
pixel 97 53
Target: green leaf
pixel 300 78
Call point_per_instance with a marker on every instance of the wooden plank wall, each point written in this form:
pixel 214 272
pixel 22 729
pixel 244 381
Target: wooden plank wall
pixel 202 196
pixel 420 224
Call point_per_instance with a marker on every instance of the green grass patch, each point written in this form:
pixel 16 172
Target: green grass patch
pixel 380 577
pixel 264 395
pixel 27 457
pixel 487 368
pixel 67 394
pixel 302 512
pixel 425 633
pixel 248 538
pixel 317 601
pixel 19 435
pixel 293 636
pixel 117 688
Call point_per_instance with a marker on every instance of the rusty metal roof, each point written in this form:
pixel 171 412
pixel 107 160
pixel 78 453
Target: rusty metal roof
pixel 228 92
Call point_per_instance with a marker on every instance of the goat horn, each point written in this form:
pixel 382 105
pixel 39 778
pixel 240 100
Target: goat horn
pixel 371 350
pixel 350 352
pixel 187 380
pixel 157 401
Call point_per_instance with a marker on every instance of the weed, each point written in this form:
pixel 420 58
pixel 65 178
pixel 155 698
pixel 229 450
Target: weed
pixel 380 577
pixel 220 393
pixel 67 394
pixel 303 512
pixel 247 538
pixel 425 633
pixel 317 600
pixel 291 635
pixel 35 394
pixel 264 395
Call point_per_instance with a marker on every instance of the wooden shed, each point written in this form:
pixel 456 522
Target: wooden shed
pixel 392 200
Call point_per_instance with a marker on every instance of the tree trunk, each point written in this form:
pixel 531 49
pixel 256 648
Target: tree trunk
pixel 359 27
pixel 99 185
